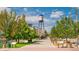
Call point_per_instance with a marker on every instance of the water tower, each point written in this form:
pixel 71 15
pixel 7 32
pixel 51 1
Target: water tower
pixel 41 30
pixel 41 22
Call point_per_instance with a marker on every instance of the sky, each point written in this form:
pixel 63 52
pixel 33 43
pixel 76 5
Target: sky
pixel 50 14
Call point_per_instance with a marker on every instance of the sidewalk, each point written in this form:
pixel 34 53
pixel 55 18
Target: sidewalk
pixel 43 43
pixel 40 45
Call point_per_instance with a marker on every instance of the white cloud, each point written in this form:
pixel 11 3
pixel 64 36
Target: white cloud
pixel 25 9
pixel 56 14
pixel 40 12
pixel 37 10
pixel 31 19
pixel 48 29
pixel 34 20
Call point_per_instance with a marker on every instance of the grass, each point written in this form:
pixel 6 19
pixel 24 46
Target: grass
pixel 19 45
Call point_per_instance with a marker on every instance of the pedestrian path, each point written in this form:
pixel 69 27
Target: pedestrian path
pixel 43 43
pixel 40 45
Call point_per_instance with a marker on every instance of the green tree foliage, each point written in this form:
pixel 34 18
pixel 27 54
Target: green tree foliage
pixel 7 20
pixel 15 27
pixel 64 28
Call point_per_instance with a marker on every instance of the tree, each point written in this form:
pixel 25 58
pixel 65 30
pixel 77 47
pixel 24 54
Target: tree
pixel 15 27
pixel 31 34
pixel 22 28
pixel 64 28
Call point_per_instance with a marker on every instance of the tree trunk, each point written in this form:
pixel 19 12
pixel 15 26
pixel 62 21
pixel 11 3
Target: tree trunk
pixel 4 44
pixel 66 39
pixel 17 40
pixel 30 41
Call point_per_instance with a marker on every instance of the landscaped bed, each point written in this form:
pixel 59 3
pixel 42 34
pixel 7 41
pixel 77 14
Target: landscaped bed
pixel 16 44
pixel 19 45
